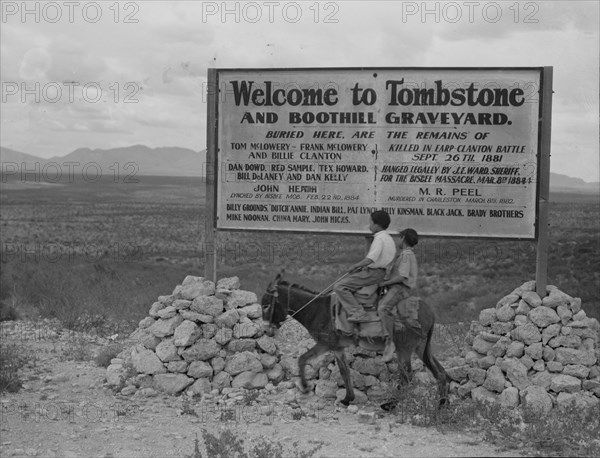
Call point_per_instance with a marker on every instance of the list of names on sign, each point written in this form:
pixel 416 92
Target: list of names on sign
pixel 445 151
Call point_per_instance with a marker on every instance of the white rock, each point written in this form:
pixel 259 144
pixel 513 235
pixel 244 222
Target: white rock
pixel 579 400
pixel 202 350
pixel 146 362
pixel 200 369
pixel 509 398
pixel 481 394
pixel 163 328
pixel 166 351
pixel 228 283
pixel 573 356
pixel 240 298
pixel 186 334
pixel 228 318
pixel 509 299
pixel 207 305
pixel 242 362
pixel 543 316
pixel 487 316
pixel 565 383
pixel 246 330
pixel 167 312
pixel 252 311
pixel 532 298
pixel 537 399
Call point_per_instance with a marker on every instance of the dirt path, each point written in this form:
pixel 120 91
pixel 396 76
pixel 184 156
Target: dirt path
pixel 64 410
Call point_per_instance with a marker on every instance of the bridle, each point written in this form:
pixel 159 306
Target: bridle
pixel 274 293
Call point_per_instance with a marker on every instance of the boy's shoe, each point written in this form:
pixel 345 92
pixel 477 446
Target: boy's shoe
pixel 388 352
pixel 358 317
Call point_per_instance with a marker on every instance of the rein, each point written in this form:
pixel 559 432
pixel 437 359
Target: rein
pixel 319 294
pixel 272 290
pixel 305 305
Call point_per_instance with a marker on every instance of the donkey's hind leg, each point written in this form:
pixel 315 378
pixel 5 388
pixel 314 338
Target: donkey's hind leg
pixel 437 370
pixel 315 351
pixel 340 358
pixel 405 345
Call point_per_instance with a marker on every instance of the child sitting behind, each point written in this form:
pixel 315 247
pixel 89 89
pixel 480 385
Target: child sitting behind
pixel 402 280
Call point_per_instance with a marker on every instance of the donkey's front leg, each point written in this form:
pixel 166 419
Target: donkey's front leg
pixel 340 357
pixel 315 351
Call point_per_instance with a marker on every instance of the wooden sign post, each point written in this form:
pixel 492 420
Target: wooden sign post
pixel 210 235
pixel 541 270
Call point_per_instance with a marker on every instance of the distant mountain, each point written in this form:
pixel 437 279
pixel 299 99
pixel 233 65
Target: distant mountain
pixel 164 161
pixel 560 182
pixel 10 155
pixel 176 161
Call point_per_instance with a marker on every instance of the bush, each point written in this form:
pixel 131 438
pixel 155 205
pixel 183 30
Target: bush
pixel 8 312
pixel 11 360
pixel 107 353
pixel 228 445
pixel 568 431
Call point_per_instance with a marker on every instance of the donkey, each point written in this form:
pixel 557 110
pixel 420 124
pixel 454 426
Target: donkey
pixel 283 298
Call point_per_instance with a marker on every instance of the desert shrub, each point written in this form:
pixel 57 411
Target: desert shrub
pixel 228 445
pixel 187 407
pixel 77 349
pixel 418 406
pixel 251 396
pixel 107 353
pixel 8 312
pixel 568 431
pixel 12 359
pixel 82 297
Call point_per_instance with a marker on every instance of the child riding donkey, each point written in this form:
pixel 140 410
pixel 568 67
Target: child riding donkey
pixel 381 266
pixel 402 279
pixel 371 270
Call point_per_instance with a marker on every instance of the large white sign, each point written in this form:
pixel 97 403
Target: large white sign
pixel 450 152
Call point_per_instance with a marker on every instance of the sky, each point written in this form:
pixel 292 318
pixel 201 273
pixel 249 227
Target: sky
pixel 109 74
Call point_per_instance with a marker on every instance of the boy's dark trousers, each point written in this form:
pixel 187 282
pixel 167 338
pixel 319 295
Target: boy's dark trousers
pixel 347 286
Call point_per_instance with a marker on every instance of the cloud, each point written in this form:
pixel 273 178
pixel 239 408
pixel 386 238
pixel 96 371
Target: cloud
pixel 35 64
pixel 489 22
pixel 160 62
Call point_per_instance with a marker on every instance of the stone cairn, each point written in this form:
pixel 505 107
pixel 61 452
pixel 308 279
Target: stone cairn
pixel 530 351
pixel 202 337
pixel 208 339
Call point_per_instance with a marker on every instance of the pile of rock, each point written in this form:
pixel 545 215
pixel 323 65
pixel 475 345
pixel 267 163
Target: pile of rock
pixel 372 378
pixel 203 337
pixel 206 338
pixel 538 352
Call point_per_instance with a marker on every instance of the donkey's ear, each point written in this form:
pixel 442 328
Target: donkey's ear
pixel 279 275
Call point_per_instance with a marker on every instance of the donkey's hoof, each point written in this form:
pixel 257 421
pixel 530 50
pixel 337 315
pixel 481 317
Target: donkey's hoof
pixel 444 402
pixel 302 386
pixel 388 406
pixel 346 402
